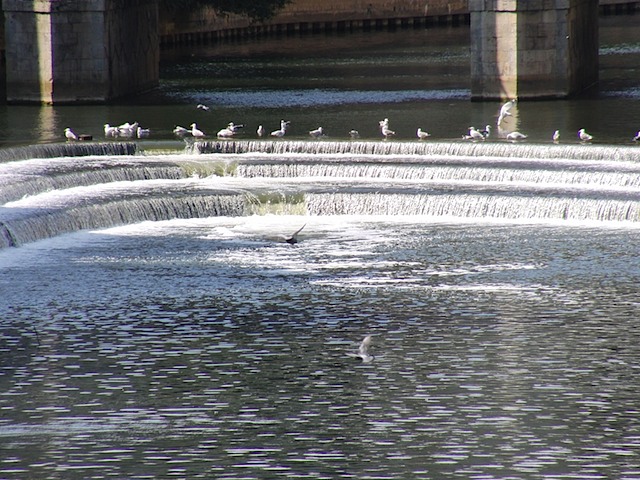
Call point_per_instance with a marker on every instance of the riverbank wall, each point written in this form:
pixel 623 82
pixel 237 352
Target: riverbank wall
pixel 302 16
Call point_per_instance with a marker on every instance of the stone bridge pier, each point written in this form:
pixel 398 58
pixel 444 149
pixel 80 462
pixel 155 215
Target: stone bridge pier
pixel 533 49
pixel 80 51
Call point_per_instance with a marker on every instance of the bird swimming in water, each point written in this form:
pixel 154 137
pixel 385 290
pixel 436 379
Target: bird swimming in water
pixel 584 136
pixel 354 134
pixel 294 237
pixel 637 137
pixel 260 131
pixel 203 107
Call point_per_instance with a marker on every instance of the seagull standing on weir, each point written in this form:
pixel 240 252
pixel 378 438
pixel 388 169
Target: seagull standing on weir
pixel 584 136
pixel 70 135
pixel 421 134
pixel 556 136
pixel 195 132
pixel 384 129
pixel 317 133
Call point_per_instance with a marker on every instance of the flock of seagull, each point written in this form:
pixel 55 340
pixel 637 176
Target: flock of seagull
pixel 134 130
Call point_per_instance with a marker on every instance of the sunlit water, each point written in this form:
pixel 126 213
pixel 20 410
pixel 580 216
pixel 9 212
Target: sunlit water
pixel 154 322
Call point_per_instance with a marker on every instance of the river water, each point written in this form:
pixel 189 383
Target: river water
pixel 155 323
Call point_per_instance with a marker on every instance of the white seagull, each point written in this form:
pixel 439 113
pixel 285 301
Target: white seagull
pixel 584 136
pixel 637 137
pixel 260 131
pixel 283 129
pixel 203 107
pixel 384 128
pixel 421 134
pixel 225 133
pixel 515 136
pixel 110 131
pixel 363 350
pixel 143 132
pixel 195 132
pixel 473 134
pixel 354 134
pixel 294 237
pixel 505 110
pixel 317 133
pixel 69 134
pixel 486 132
pixel 180 131
pixel 556 136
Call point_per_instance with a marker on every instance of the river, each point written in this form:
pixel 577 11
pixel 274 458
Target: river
pixel 156 324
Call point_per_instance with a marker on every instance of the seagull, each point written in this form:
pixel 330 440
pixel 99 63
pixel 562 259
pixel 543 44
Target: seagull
pixel 294 237
pixel 317 133
pixel 225 133
pixel 69 134
pixel 637 137
pixel 142 132
pixel 260 131
pixel 128 129
pixel 200 106
pixel 354 134
pixel 363 350
pixel 584 136
pixel 505 110
pixel 234 128
pixel 421 134
pixel 515 136
pixel 283 129
pixel 110 131
pixel 556 136
pixel 473 135
pixel 195 132
pixel 180 131
pixel 486 132
pixel 384 128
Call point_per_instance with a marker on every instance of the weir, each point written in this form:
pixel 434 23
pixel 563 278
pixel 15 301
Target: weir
pixel 509 182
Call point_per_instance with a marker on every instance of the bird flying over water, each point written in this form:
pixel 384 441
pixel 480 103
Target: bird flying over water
pixel 505 111
pixel 363 350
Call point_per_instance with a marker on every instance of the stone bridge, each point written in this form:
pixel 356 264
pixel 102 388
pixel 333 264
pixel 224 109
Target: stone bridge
pixel 95 51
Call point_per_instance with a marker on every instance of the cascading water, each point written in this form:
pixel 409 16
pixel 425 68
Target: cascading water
pixel 48 197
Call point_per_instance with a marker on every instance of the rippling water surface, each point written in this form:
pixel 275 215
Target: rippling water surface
pixel 213 349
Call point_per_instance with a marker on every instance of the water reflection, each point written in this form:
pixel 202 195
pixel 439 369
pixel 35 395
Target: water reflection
pixel 212 351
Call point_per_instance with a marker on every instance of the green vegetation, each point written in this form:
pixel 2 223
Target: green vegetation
pixel 254 9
